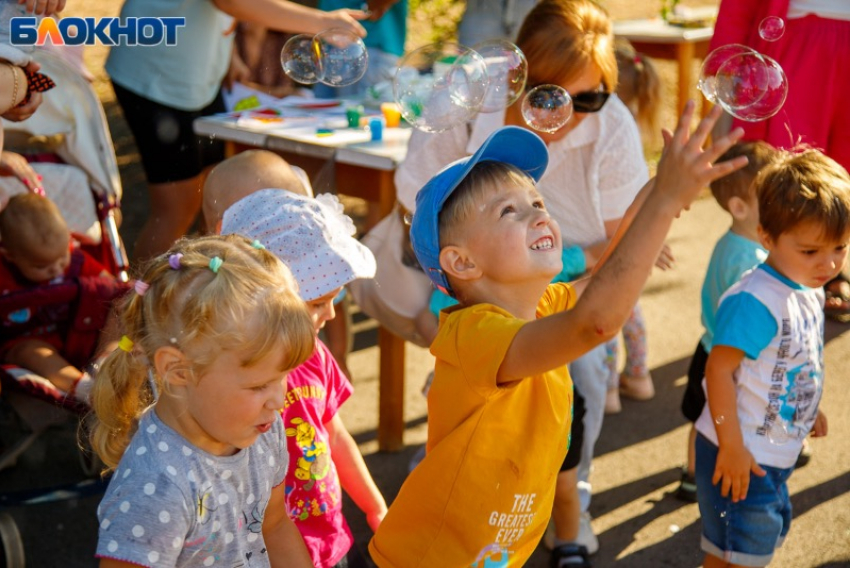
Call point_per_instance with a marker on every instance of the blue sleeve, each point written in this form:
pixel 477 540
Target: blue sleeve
pixel 575 264
pixel 440 301
pixel 744 323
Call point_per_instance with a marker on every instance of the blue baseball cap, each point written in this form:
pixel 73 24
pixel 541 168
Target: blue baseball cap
pixel 512 145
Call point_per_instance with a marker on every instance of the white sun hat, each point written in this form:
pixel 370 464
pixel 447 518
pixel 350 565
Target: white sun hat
pixel 311 235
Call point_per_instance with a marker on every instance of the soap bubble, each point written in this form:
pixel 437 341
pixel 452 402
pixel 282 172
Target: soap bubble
pixel 507 71
pixel 712 63
pixel 747 84
pixel 335 57
pixel 547 108
pixel 741 81
pixel 779 433
pixel 300 60
pixel 439 86
pixel 343 57
pixel 772 28
pixel 771 78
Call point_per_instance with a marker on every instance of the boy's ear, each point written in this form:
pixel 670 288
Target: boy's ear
pixel 172 365
pixel 457 263
pixel 765 239
pixel 738 208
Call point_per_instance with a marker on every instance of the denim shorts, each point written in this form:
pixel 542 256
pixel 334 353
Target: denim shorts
pixel 747 532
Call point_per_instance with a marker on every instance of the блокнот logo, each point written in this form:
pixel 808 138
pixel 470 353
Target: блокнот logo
pixel 89 31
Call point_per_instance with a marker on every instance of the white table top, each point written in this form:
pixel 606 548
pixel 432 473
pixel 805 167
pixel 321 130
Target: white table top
pixel 656 30
pixel 299 135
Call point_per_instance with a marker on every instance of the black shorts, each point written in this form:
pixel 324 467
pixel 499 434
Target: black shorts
pixel 576 433
pixel 170 149
pixel 693 401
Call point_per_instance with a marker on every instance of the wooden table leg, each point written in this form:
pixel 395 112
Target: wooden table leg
pixel 391 399
pixel 684 58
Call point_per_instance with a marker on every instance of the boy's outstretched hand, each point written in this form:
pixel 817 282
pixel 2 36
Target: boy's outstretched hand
pixel 685 167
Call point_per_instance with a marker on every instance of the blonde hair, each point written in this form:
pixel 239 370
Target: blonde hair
pixel 638 86
pixel 804 187
pixel 740 182
pixel 250 304
pixel 560 38
pixel 30 223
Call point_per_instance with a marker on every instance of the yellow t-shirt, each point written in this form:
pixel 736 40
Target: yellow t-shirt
pixel 483 494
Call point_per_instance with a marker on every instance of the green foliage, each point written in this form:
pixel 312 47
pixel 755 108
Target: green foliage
pixel 433 21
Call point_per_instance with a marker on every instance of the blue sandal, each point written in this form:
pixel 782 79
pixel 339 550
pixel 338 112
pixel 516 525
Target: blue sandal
pixel 570 555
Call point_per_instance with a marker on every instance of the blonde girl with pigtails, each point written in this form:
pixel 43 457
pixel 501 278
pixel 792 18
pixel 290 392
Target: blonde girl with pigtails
pixel 188 411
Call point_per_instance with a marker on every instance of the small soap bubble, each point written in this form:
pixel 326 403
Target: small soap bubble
pixel 440 86
pixel 674 529
pixel 719 419
pixel 712 63
pixel 547 108
pixel 778 435
pixel 772 28
pixel 300 60
pixel 343 57
pixel 507 71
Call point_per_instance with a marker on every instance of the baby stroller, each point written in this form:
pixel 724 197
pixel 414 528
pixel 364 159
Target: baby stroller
pixel 67 140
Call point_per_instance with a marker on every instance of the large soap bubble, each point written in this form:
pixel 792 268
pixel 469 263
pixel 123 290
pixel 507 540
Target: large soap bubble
pixel 768 84
pixel 335 57
pixel 507 71
pixel 343 57
pixel 300 60
pixel 547 108
pixel 712 63
pixel 439 86
pixel 747 84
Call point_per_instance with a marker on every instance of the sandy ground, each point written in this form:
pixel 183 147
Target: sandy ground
pixel 640 523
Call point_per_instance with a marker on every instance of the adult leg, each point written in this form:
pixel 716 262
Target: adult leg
pixel 174 206
pixel 589 373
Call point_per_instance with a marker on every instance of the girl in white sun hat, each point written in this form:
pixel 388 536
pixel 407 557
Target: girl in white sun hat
pixel 315 239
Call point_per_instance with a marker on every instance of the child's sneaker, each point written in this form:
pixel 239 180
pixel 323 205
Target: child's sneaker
pixel 687 490
pixel 570 555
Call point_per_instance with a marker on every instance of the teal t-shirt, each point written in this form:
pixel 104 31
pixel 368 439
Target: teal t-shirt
pixel 733 256
pixel 387 34
pixel 185 76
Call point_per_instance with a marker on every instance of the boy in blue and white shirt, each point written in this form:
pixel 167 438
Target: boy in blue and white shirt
pixel 764 376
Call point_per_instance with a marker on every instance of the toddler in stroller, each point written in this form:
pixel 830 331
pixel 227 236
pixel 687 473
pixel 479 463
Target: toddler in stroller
pixel 37 257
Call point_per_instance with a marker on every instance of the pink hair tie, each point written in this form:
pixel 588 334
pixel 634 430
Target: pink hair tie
pixel 141 287
pixel 174 261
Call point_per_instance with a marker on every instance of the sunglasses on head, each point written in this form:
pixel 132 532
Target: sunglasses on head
pixel 590 101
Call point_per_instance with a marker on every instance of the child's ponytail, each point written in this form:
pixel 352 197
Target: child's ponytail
pixel 639 87
pixel 121 392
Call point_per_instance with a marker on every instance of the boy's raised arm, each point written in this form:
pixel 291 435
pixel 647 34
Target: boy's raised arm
pixel 685 168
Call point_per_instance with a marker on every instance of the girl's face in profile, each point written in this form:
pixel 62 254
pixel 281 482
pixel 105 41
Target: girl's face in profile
pixel 230 405
pixel 322 309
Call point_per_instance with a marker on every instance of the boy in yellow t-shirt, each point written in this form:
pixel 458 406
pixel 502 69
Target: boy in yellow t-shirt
pixel 499 410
